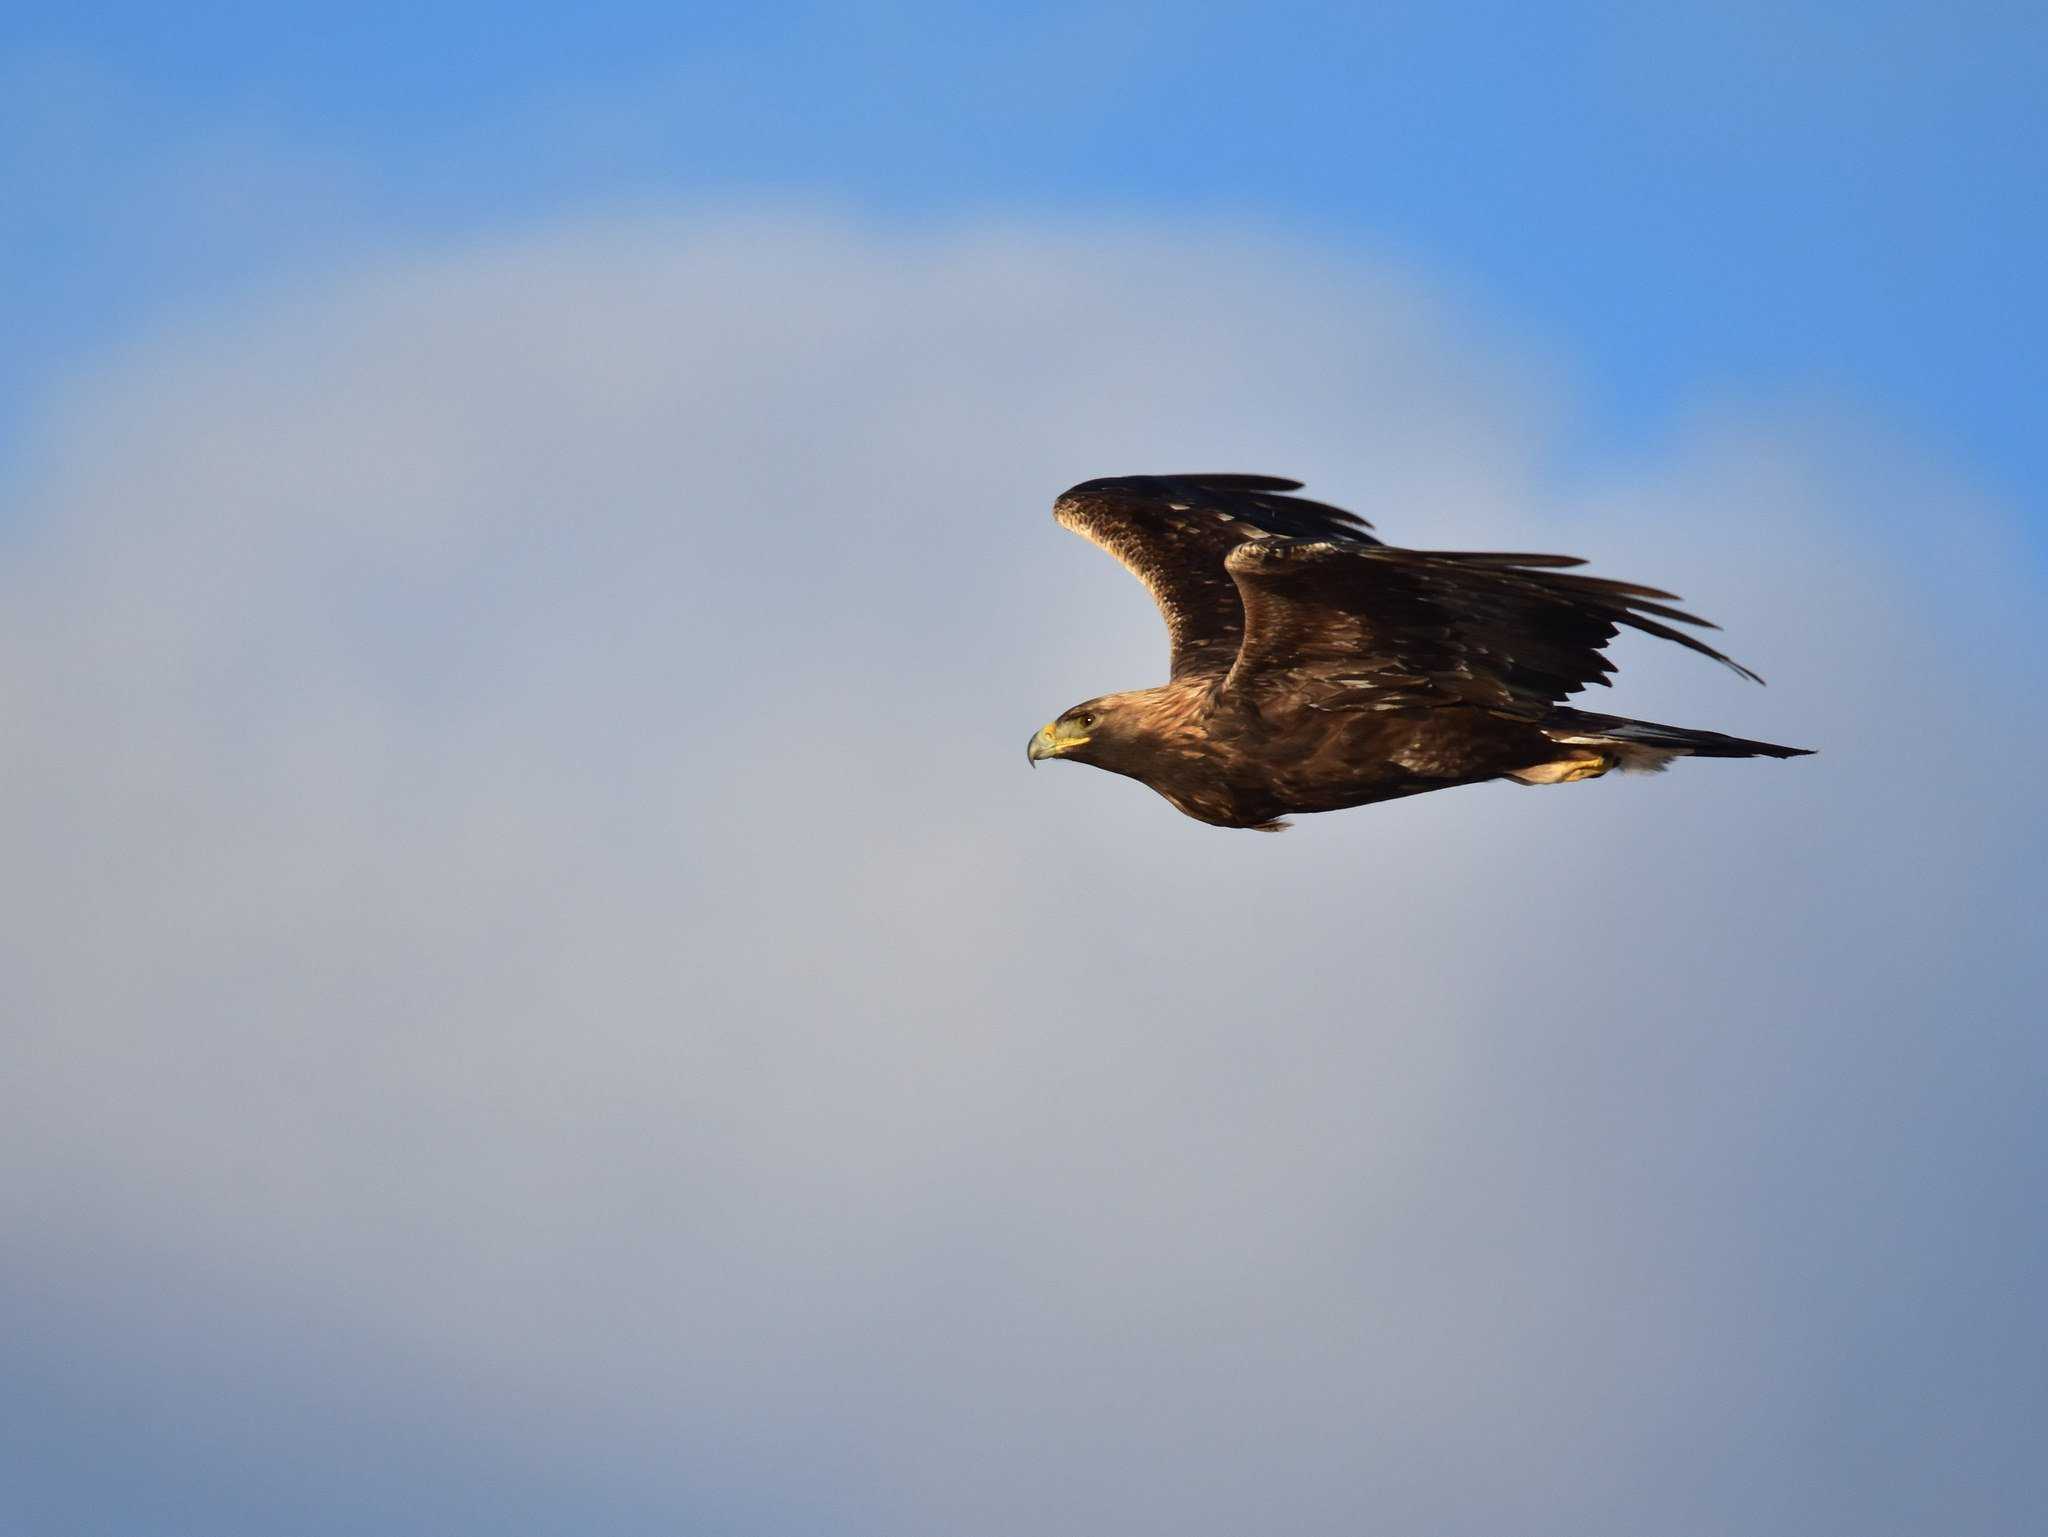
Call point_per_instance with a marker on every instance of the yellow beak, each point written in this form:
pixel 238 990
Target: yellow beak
pixel 1049 741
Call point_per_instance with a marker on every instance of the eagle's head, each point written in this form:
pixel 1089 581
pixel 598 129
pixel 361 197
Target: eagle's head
pixel 1089 733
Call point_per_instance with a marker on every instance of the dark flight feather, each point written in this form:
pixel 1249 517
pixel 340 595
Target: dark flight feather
pixel 1173 531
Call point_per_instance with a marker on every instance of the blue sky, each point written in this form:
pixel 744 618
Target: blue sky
pixel 540 998
pixel 1688 198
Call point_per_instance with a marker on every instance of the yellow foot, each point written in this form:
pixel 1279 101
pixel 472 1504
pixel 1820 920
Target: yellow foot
pixel 1564 771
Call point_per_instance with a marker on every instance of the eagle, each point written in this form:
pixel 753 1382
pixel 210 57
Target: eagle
pixel 1314 667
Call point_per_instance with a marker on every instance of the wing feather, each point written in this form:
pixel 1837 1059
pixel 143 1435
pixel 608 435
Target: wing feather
pixel 1377 627
pixel 1173 532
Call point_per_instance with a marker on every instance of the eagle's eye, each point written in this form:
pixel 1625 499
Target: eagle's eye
pixel 1085 719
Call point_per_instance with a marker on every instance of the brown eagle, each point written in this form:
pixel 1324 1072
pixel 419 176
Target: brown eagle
pixel 1315 667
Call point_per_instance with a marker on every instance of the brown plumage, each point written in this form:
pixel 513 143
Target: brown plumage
pixel 1314 667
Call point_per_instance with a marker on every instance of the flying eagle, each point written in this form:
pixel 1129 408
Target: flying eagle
pixel 1314 667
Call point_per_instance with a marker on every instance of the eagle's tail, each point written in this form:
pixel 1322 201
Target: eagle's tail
pixel 1645 745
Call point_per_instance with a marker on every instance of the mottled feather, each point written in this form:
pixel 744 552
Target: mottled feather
pixel 1498 631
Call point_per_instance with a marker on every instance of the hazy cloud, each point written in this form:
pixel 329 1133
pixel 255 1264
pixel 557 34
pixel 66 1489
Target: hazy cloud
pixel 537 964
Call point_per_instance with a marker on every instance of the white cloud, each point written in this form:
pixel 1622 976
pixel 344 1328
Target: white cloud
pixel 520 869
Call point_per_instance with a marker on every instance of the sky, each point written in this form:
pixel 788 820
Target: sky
pixel 539 994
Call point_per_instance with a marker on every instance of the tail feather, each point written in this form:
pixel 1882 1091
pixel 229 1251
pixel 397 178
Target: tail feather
pixel 1644 744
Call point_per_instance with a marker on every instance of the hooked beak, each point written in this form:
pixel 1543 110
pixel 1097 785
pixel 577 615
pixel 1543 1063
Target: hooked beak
pixel 1040 746
pixel 1048 741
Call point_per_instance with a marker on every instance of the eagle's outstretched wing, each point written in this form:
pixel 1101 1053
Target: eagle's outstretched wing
pixel 1341 626
pixel 1173 532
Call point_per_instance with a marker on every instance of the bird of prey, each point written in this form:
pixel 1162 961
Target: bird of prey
pixel 1314 667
